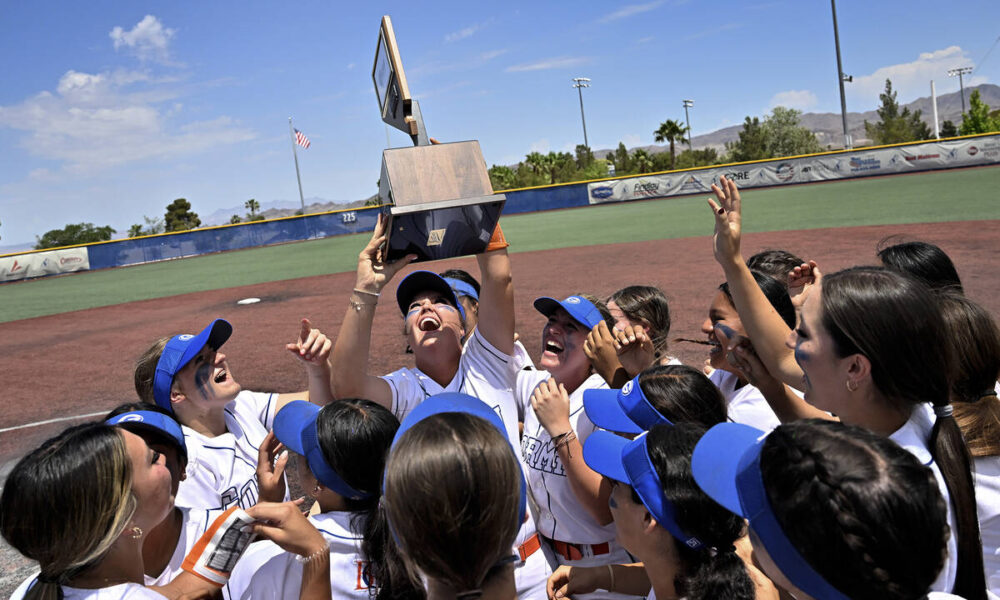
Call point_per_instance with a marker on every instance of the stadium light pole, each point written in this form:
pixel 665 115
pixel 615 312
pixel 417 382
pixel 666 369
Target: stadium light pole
pixel 687 104
pixel 841 78
pixel 579 83
pixel 961 86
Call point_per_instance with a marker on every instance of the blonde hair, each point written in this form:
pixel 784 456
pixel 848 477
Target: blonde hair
pixel 145 370
pixel 451 496
pixel 67 502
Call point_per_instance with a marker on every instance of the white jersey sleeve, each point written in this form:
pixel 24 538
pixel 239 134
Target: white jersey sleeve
pixel 192 526
pixel 125 591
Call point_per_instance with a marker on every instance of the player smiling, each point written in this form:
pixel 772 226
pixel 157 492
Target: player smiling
pixel 225 426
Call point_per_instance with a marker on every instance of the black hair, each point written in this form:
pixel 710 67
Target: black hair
pixel 463 276
pixel 145 431
pixel 683 395
pixel 862 511
pixel 715 570
pixel 895 322
pixel 774 262
pixel 647 304
pixel 925 261
pixel 775 292
pixel 355 436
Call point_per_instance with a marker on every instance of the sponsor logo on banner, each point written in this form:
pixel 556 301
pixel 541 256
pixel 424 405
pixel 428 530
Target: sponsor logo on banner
pixel 691 184
pixel 973 151
pixel 645 188
pixel 605 191
pixel 785 171
pixel 991 149
pixel 862 164
pixel 738 176
pixel 921 157
pixel 67 260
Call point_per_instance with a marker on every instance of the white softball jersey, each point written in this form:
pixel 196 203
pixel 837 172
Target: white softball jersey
pixel 745 405
pixel 560 515
pixel 193 526
pixel 116 592
pixel 222 470
pixel 914 436
pixel 488 374
pixel 266 571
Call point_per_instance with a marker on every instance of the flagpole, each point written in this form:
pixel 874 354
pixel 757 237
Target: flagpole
pixel 296 155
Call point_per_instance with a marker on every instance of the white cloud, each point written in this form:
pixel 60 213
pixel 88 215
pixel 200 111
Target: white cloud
pixel 910 80
pixel 549 63
pixel 630 10
pixel 97 121
pixel 645 40
pixel 541 145
pixel 149 39
pixel 485 56
pixel 798 99
pixel 461 34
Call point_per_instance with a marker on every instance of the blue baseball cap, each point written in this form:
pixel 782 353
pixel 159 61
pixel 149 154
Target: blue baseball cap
pixel 424 281
pixel 726 466
pixel 455 402
pixel 462 288
pixel 626 410
pixel 628 461
pixel 295 427
pixel 138 420
pixel 578 307
pixel 179 351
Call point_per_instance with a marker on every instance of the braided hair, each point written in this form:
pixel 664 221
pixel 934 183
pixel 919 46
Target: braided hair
pixel 863 512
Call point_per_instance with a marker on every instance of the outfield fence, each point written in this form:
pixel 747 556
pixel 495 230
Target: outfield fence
pixel 964 151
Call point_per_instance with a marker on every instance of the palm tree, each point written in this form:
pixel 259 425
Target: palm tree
pixel 253 206
pixel 642 160
pixel 673 132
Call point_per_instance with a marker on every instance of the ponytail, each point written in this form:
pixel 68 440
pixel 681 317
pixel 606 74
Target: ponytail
pixel 718 574
pixel 953 459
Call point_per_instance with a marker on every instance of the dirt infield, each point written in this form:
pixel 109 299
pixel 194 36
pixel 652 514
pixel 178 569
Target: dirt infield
pixel 62 366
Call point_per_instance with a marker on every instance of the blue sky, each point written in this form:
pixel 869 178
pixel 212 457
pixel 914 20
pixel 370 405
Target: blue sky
pixel 110 110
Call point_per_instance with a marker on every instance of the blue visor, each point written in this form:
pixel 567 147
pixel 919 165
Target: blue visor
pixel 179 351
pixel 626 410
pixel 424 281
pixel 137 420
pixel 582 310
pixel 462 289
pixel 628 461
pixel 455 402
pixel 726 465
pixel 295 427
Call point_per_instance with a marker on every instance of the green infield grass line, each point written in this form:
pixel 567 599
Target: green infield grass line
pixel 959 195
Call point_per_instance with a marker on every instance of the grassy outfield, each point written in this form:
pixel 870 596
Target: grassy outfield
pixel 959 195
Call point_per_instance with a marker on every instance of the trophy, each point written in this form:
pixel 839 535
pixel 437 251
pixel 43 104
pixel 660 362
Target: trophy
pixel 437 197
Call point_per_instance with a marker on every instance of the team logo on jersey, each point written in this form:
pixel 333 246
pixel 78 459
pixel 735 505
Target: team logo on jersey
pixel 364 577
pixel 541 455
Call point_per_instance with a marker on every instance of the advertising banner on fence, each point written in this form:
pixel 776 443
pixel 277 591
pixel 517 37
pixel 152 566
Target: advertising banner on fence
pixel 24 266
pixel 863 163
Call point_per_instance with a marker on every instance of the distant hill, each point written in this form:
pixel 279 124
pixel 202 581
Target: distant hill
pixel 829 129
pixel 281 208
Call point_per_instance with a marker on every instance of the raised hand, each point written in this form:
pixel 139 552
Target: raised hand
pixel 551 403
pixel 602 348
pixel 801 281
pixel 635 349
pixel 312 347
pixel 373 271
pixel 271 462
pixel 728 221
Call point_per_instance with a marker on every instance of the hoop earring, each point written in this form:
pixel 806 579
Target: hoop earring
pixel 852 389
pixel 136 533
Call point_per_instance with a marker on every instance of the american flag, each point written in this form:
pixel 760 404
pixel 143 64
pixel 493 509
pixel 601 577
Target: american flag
pixel 301 139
